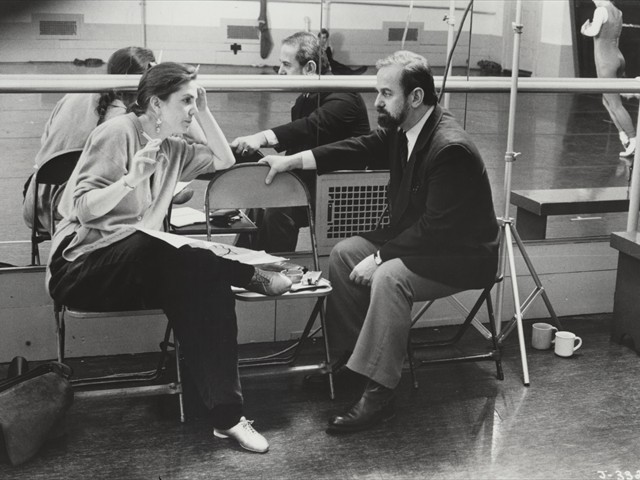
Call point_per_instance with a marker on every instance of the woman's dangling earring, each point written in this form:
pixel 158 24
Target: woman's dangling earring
pixel 158 123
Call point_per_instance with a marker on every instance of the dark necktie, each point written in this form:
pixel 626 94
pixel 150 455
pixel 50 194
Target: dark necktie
pixel 403 148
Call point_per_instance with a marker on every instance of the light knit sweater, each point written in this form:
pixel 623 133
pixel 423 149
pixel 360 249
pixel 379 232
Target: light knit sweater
pixel 67 130
pixel 71 122
pixel 105 160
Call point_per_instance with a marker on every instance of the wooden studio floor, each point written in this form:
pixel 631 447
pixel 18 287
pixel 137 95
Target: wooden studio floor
pixel 579 417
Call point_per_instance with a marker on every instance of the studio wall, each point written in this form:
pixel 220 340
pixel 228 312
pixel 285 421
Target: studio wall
pixel 201 31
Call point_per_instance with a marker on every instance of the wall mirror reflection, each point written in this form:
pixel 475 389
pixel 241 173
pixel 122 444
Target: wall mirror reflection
pixel 567 139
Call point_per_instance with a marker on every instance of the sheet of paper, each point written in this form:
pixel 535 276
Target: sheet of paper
pixel 243 255
pixel 182 216
pixel 299 287
pixel 179 187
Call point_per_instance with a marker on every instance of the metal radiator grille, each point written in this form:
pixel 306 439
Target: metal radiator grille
pixel 348 203
pixel 354 209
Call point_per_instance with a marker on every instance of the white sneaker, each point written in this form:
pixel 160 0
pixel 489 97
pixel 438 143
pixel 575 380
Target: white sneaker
pixel 269 283
pixel 630 148
pixel 245 435
pixel 624 138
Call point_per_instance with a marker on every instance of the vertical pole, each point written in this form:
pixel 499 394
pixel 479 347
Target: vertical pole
pixel 143 13
pixel 634 193
pixel 510 155
pixel 324 14
pixel 406 25
pixel 451 22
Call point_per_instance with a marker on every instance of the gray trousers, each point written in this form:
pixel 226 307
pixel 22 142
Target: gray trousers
pixel 374 322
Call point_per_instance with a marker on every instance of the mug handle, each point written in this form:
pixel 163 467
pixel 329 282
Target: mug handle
pixel 553 337
pixel 579 343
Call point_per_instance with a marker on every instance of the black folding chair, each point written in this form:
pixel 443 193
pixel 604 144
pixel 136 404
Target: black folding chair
pixel 243 187
pixel 242 225
pixel 494 353
pixel 141 383
pixel 53 173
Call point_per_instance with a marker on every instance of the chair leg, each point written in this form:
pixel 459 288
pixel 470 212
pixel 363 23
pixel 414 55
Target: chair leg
pixel 179 378
pixel 164 348
pixel 327 354
pixel 161 363
pixel 58 312
pixel 494 338
pixel 412 366
pixel 35 253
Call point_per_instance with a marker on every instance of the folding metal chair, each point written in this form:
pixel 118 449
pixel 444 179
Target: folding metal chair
pixel 143 383
pixel 53 173
pixel 242 226
pixel 373 192
pixel 493 354
pixel 243 187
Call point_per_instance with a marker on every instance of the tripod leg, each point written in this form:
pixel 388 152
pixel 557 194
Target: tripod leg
pixel 501 270
pixel 536 279
pixel 516 302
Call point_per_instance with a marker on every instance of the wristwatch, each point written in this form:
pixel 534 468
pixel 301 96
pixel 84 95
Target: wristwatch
pixel 376 258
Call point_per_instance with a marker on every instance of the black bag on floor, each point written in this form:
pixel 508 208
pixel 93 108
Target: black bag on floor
pixel 32 405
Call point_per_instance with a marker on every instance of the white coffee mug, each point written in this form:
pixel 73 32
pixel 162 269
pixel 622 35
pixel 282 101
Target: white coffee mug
pixel 542 335
pixel 566 344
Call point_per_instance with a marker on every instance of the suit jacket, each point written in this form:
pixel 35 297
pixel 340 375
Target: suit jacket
pixel 321 118
pixel 443 225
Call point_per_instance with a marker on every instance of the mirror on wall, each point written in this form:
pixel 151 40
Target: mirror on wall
pixel 629 43
pixel 227 38
pixel 233 38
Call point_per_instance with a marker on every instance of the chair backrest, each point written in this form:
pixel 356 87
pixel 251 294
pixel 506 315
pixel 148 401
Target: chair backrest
pixel 58 170
pixel 55 172
pixel 242 186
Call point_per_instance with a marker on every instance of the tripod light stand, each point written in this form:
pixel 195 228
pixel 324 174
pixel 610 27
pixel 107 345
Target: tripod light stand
pixel 508 231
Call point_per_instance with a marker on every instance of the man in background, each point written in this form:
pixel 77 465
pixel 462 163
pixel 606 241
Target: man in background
pixel 337 68
pixel 316 119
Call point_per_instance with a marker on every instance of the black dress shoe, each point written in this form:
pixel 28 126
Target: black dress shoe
pixel 375 406
pixel 343 378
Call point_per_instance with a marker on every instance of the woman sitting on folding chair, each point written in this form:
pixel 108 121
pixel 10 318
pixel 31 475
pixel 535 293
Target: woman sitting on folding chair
pixel 101 260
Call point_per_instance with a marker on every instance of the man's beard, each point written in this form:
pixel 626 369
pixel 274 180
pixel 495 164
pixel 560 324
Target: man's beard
pixel 387 120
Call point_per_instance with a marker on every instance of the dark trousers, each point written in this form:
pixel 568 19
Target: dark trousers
pixel 277 229
pixel 191 286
